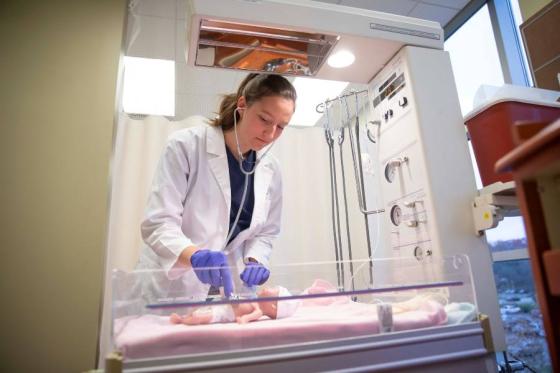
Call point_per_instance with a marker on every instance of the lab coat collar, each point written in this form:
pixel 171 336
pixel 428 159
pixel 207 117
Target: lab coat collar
pixel 215 143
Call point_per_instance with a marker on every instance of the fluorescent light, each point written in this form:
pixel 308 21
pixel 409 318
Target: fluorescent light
pixel 149 86
pixel 312 92
pixel 341 59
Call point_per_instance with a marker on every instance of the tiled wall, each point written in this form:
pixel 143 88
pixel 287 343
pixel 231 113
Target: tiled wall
pixel 157 29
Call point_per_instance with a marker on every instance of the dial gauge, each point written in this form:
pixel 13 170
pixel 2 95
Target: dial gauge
pixel 396 215
pixel 418 253
pixel 390 171
pixel 392 166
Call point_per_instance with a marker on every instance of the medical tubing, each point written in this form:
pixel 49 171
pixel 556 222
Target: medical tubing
pixel 232 229
pixel 339 233
pixel 360 179
pixel 333 219
pixel 358 170
pixel 330 144
pixel 337 215
pixel 358 164
pixel 378 217
pixel 245 187
pixel 362 185
pixel 378 232
pixel 246 173
pixel 346 208
pixel 340 142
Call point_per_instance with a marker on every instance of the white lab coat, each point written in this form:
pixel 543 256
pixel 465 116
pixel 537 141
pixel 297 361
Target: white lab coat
pixel 189 204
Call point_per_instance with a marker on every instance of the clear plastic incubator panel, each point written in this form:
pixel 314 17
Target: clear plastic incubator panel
pixel 155 317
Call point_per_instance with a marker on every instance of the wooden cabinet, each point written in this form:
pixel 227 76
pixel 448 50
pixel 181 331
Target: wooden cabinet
pixel 541 36
pixel 535 164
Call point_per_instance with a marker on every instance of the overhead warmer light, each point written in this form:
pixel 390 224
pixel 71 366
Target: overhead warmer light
pixel 259 48
pixel 246 35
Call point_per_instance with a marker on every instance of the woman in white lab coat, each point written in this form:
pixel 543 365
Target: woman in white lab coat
pixel 198 189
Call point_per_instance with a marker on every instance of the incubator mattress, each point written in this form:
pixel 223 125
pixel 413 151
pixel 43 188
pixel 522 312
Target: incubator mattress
pixel 149 336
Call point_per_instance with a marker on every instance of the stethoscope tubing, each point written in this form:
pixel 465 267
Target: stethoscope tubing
pixel 246 184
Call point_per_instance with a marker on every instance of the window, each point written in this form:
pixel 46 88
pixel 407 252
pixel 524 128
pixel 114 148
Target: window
pixel 474 57
pixel 518 20
pixel 475 60
pixel 308 90
pixel 521 315
pixel 149 86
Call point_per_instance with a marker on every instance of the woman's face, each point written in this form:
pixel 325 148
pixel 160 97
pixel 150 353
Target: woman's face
pixel 263 121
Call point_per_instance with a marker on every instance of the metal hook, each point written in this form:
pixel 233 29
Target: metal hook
pixel 341 136
pixel 329 133
pixel 347 109
pixel 370 136
pixel 328 137
pixel 357 105
pixel 326 102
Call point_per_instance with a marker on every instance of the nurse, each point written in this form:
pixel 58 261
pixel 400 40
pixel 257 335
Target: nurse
pixel 216 198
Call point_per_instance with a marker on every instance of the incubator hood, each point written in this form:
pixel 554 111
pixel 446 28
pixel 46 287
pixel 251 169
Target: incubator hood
pixel 296 37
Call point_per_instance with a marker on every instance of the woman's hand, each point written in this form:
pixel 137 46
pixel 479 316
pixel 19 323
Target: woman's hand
pixel 254 274
pixel 211 268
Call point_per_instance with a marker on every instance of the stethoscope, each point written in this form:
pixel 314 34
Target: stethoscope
pixel 246 173
pixel 241 158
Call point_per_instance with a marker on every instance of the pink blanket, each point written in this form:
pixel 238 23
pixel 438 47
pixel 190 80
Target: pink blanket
pixel 315 320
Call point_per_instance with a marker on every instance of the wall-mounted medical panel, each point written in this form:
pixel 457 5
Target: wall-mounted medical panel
pixel 428 183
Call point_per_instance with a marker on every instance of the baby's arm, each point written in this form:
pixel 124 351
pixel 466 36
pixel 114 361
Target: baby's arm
pixel 247 312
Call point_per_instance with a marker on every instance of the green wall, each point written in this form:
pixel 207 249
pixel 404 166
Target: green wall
pixel 530 7
pixel 58 76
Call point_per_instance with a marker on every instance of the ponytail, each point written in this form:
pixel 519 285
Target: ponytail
pixel 253 88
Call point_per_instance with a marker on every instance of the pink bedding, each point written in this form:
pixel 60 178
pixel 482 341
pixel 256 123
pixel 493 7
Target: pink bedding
pixel 315 320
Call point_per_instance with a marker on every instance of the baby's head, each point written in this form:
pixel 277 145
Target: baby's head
pixel 276 309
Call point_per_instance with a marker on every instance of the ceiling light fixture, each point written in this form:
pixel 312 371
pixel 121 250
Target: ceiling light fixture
pixel 340 59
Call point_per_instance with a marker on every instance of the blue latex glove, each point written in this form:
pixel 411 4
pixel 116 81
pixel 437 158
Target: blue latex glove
pixel 254 274
pixel 211 268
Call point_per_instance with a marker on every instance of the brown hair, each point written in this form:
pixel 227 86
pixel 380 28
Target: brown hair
pixel 253 88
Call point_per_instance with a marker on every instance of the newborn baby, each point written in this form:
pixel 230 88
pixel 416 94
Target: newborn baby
pixel 244 312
